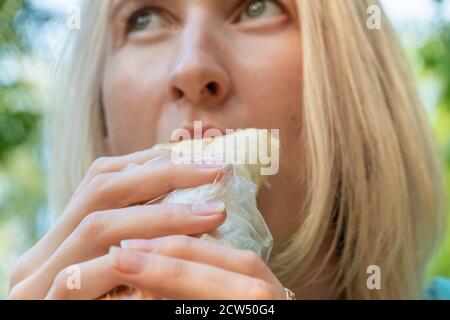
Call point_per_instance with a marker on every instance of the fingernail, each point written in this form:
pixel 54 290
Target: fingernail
pixel 208 209
pixel 220 176
pixel 125 261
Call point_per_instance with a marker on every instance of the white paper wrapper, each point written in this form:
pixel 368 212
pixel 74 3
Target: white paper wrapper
pixel 244 227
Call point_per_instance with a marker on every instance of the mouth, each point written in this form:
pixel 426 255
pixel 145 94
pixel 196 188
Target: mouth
pixel 198 130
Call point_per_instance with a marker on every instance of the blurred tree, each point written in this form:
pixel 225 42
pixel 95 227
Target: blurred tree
pixel 435 58
pixel 18 116
pixel 21 178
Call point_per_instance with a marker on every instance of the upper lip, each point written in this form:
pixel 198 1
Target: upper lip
pixel 191 129
pixel 205 127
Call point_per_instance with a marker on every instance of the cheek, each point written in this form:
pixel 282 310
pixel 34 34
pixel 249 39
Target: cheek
pixel 133 98
pixel 270 81
pixel 271 91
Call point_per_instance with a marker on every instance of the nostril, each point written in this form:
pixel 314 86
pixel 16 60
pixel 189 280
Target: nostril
pixel 213 88
pixel 177 93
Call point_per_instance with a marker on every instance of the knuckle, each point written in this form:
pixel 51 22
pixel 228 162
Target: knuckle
pixel 60 280
pixel 176 270
pixel 173 216
pixel 168 172
pixel 59 287
pixel 179 243
pixel 261 290
pixel 101 189
pixel 16 293
pixel 171 173
pixel 93 225
pixel 252 259
pixel 18 271
pixel 170 214
pixel 98 183
pixel 100 165
pixel 24 290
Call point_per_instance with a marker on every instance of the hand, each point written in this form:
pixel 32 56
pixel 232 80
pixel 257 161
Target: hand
pixel 103 211
pixel 177 267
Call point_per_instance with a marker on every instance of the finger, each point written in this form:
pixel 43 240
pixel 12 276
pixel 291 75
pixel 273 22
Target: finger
pixel 143 183
pixel 89 280
pixel 48 244
pixel 116 190
pixel 84 281
pixel 117 163
pixel 181 279
pixel 147 182
pixel 204 251
pixel 99 231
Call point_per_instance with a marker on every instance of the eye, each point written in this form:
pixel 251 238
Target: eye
pixel 260 9
pixel 146 19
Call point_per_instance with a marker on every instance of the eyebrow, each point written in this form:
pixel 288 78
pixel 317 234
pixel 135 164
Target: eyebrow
pixel 119 4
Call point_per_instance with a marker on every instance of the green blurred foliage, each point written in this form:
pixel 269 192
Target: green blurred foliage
pixel 21 174
pixel 16 126
pixel 17 121
pixel 435 64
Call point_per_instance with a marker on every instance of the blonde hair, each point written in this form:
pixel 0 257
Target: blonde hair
pixel 373 172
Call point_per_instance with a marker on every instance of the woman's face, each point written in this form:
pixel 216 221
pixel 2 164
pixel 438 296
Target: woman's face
pixel 231 64
pixel 228 63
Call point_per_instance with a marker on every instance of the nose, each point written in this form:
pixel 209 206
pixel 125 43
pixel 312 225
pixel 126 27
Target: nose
pixel 198 78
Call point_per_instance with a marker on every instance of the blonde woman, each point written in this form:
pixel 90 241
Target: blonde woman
pixel 359 182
